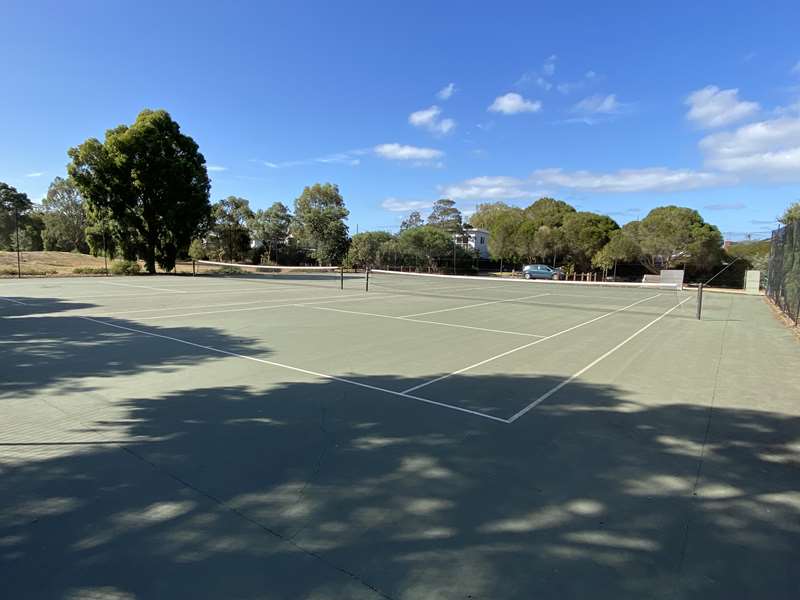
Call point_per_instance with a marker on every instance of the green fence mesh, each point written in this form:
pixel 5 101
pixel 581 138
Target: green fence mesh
pixel 783 284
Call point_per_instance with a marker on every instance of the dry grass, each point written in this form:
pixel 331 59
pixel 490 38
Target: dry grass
pixel 47 263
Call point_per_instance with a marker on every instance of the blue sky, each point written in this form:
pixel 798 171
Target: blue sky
pixel 615 110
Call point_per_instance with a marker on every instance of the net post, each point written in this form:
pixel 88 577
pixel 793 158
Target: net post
pixel 699 301
pixel 194 267
pixel 366 287
pixel 341 277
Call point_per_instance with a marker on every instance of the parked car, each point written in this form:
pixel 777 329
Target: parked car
pixel 541 272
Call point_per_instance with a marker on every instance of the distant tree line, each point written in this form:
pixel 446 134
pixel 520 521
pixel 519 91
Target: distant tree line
pixel 143 193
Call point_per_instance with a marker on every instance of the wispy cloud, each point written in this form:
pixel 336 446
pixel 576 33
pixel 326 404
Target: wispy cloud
pixel 625 212
pixel 397 205
pixel 487 188
pixel 428 118
pixel 712 107
pixel 216 168
pixel 446 92
pixel 725 206
pixel 796 68
pixel 349 158
pixel 34 174
pixel 549 66
pixel 404 152
pixel 657 179
pixel 598 104
pixel 513 103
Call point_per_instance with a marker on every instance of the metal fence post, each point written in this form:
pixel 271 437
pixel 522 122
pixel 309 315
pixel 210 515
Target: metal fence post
pixel 699 301
pixel 16 227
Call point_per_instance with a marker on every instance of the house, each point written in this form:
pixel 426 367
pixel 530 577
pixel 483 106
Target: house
pixel 474 240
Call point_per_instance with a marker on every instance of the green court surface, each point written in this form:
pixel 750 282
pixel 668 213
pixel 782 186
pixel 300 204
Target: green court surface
pixel 252 437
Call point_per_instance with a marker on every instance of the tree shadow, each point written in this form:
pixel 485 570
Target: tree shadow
pixel 315 489
pixel 42 348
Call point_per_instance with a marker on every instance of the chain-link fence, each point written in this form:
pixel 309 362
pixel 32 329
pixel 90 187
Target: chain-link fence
pixel 783 283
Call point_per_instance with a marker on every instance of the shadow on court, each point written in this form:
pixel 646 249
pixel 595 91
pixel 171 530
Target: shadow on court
pixel 316 489
pixel 41 347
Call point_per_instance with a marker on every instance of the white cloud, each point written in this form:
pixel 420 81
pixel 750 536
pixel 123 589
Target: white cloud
pixel 396 205
pixel 598 104
pixel 512 103
pixel 35 174
pixel 549 66
pixel 713 107
pixel 796 68
pixel 487 188
pixel 544 84
pixel 340 158
pixel 591 75
pixel 216 168
pixel 656 179
pixel 428 118
pixel 768 148
pixel 446 92
pixel 404 152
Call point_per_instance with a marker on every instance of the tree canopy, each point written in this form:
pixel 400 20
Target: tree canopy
pixel 366 249
pixel 319 215
pixel 14 208
pixel 152 180
pixel 414 219
pixel 229 237
pixel 64 218
pixel 270 227
pixel 673 235
pixel 445 216
pixel 585 233
pixel 791 214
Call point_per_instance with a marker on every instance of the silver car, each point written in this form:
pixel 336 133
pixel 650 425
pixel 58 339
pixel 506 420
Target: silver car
pixel 540 272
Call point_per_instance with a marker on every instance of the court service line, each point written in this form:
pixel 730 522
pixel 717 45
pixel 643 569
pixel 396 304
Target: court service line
pixel 287 302
pixel 204 291
pixel 366 314
pixel 143 287
pixel 299 370
pixel 517 349
pixel 250 302
pixel 441 310
pixel 574 376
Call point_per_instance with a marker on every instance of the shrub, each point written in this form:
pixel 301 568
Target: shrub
pixel 89 271
pixel 125 267
pixel 228 271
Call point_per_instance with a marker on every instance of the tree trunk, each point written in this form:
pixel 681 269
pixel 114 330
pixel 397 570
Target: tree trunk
pixel 150 255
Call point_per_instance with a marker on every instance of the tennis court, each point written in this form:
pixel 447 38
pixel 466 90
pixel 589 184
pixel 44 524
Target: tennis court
pixel 313 434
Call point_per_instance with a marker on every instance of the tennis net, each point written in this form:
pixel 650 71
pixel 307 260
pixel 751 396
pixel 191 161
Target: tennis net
pixel 329 277
pixel 516 290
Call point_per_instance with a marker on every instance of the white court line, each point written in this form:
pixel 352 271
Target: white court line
pixel 441 310
pixel 12 300
pixel 206 292
pixel 574 376
pixel 141 310
pixel 544 339
pixel 287 302
pixel 427 290
pixel 143 287
pixel 299 370
pixel 366 314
